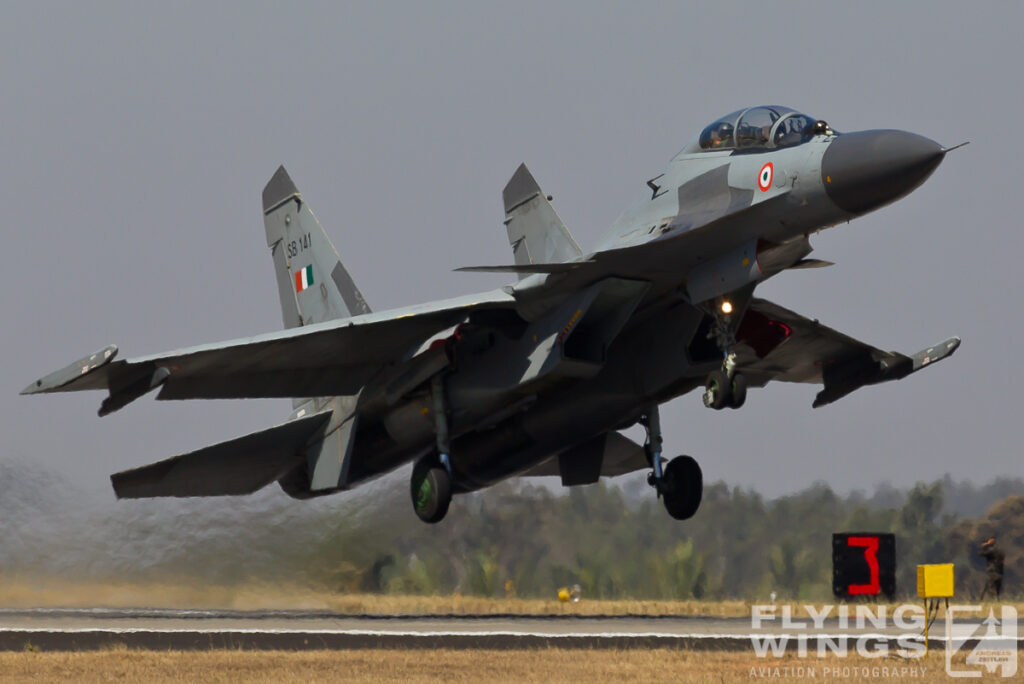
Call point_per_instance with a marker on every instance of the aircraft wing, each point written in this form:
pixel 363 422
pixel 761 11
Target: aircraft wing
pixel 779 344
pixel 331 358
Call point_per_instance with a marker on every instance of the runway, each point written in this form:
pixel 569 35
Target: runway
pixel 91 628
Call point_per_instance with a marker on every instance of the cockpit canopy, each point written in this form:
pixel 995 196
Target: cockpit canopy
pixel 768 126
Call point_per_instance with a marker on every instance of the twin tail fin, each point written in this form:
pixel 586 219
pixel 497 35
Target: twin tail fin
pixel 312 283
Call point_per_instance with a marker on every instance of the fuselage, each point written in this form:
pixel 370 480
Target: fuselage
pixel 537 377
pixel 757 182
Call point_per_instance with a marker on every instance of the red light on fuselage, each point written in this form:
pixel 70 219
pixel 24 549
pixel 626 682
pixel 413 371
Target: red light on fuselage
pixel 761 333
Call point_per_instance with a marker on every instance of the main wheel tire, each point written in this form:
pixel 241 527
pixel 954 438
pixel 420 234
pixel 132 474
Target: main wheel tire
pixel 431 489
pixel 738 395
pixel 716 390
pixel 683 487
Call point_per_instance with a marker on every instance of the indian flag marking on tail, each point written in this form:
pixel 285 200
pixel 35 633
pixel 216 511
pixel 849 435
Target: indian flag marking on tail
pixel 303 278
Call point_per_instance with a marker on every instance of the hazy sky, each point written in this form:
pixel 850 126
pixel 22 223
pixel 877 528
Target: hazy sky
pixel 136 140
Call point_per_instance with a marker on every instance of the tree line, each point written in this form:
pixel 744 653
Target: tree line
pixel 739 545
pixel 612 538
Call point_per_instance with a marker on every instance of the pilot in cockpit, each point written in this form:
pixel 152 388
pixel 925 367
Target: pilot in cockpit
pixel 793 130
pixel 719 136
pixel 755 128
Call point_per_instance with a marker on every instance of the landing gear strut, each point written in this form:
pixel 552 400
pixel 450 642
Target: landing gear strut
pixel 725 387
pixel 681 485
pixel 431 484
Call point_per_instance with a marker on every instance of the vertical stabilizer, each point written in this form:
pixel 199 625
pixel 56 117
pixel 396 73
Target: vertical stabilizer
pixel 312 283
pixel 535 232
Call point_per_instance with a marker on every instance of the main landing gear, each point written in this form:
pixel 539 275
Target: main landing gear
pixel 431 489
pixel 725 387
pixel 681 484
pixel 431 483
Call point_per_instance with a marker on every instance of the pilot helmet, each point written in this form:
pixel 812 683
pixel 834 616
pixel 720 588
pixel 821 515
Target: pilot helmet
pixel 722 133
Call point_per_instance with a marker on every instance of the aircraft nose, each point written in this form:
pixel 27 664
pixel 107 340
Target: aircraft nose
pixel 865 170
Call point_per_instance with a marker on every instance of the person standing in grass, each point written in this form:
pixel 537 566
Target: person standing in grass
pixel 994 558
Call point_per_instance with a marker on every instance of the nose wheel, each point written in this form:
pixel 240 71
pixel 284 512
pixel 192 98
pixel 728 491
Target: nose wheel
pixel 721 391
pixel 726 387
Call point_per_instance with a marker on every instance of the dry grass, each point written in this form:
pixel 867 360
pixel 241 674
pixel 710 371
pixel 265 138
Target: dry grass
pixel 35 593
pixel 552 665
pixel 20 592
pixel 26 593
pixel 461 605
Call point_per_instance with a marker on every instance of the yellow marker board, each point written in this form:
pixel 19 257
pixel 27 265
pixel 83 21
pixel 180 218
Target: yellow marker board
pixel 935 581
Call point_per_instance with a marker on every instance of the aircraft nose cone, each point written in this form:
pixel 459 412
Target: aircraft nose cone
pixel 865 170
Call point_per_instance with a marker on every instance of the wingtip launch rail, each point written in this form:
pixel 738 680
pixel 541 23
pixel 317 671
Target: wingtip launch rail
pixel 850 376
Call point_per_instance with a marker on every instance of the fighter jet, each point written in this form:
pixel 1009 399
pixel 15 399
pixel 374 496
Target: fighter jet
pixel 537 378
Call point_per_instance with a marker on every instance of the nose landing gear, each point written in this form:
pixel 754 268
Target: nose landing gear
pixel 725 387
pixel 720 390
pixel 681 485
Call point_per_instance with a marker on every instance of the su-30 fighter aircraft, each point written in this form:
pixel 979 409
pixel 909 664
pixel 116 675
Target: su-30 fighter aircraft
pixel 537 377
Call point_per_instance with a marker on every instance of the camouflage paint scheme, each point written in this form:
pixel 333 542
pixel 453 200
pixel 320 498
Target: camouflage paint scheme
pixel 535 378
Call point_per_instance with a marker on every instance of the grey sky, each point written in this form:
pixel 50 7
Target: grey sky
pixel 136 141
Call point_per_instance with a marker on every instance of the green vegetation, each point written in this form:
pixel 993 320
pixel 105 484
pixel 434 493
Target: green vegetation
pixel 517 539
pixel 738 546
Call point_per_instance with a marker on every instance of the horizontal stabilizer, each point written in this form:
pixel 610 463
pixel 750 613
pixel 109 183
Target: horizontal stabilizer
pixel 841 379
pixel 239 466
pixel 526 268
pixel 124 394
